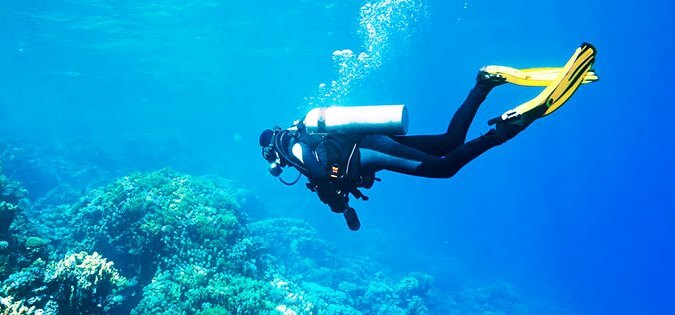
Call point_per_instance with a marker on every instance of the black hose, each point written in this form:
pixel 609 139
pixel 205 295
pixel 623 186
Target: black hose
pixel 291 183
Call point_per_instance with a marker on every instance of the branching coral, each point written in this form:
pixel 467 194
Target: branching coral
pixel 85 283
pixel 80 283
pixel 85 271
pixel 10 307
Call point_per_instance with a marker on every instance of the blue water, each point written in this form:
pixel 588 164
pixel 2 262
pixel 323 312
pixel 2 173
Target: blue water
pixel 575 213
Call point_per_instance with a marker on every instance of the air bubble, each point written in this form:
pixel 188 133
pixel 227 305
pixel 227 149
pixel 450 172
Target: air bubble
pixel 383 25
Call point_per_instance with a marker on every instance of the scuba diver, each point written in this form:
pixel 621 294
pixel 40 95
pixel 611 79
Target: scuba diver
pixel 340 149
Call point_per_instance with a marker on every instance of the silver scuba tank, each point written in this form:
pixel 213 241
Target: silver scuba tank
pixel 375 119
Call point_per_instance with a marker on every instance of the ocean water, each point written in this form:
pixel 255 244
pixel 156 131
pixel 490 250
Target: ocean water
pixel 575 215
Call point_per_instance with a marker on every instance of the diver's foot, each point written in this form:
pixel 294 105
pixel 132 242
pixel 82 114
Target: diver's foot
pixel 352 219
pixel 507 129
pixel 490 79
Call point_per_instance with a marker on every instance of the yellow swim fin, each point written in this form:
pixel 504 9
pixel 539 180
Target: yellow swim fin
pixel 533 76
pixel 555 95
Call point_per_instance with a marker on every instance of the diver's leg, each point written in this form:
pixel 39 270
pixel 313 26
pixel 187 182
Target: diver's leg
pixel 380 152
pixel 463 117
pixel 448 165
pixel 384 153
pixel 455 135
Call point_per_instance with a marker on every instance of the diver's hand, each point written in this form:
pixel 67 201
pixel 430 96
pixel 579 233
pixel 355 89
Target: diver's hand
pixel 327 194
pixel 336 202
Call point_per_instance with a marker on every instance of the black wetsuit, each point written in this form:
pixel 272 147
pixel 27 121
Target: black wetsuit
pixel 436 156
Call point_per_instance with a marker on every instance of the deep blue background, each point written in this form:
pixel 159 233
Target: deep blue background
pixel 575 212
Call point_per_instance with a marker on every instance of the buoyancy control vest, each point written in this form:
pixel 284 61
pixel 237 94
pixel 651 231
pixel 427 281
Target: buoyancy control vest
pixel 338 154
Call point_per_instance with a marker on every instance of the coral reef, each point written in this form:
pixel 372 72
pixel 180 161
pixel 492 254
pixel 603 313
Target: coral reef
pixel 145 218
pixel 183 245
pixel 170 232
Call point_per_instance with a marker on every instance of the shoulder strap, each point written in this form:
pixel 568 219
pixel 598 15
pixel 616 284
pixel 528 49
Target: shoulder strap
pixel 283 150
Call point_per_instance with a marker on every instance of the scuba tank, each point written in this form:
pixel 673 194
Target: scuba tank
pixel 364 120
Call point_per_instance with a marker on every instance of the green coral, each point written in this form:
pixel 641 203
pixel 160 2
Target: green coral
pixel 213 310
pixel 190 289
pixel 36 242
pixel 238 294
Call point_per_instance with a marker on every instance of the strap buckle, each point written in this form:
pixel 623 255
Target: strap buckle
pixel 510 114
pixel 334 171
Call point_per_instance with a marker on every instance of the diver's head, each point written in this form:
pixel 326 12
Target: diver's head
pixel 269 150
